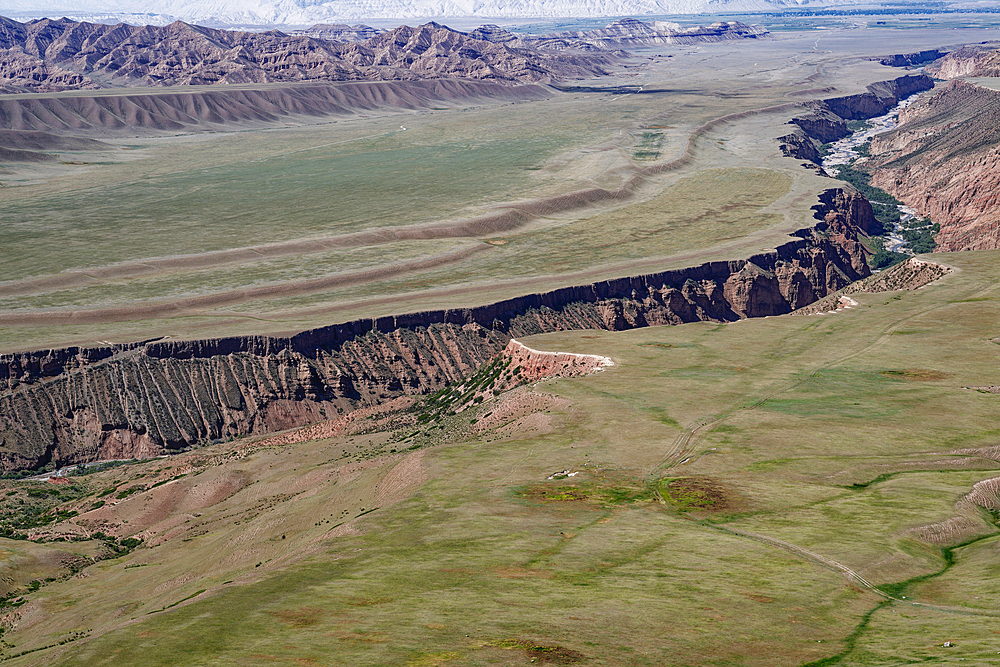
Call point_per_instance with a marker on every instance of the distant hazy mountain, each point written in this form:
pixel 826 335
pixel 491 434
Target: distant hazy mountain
pixel 306 12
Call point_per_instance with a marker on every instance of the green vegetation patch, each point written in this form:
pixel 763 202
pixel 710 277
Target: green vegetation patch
pixel 541 653
pixel 601 492
pixel 695 493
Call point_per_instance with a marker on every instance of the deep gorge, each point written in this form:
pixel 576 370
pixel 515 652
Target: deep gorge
pixel 85 404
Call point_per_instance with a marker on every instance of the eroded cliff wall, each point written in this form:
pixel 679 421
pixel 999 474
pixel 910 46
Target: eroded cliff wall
pixel 84 404
pixel 943 161
pixel 826 120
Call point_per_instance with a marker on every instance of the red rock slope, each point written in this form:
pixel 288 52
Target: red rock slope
pixel 943 161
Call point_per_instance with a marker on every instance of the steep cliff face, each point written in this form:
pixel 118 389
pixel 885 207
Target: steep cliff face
pixel 942 160
pixel 826 119
pixel 880 97
pixel 976 60
pixel 846 208
pixel 82 404
pixel 800 146
pixel 910 59
pixel 822 125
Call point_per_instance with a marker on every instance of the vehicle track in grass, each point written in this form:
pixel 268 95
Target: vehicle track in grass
pixel 684 445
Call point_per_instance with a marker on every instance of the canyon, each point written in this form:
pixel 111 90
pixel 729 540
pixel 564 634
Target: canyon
pixel 84 404
pixel 826 120
pixel 77 405
pixel 446 371
pixel 942 159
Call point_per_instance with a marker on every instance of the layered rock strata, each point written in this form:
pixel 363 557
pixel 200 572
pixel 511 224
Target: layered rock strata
pixel 84 404
pixel 30 125
pixel 52 55
pixel 826 120
pixel 942 161
pixel 630 32
pixel 108 115
pixel 534 365
pixel 910 59
pixel 974 60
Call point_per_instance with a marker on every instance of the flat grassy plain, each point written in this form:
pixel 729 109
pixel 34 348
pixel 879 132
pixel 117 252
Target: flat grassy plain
pixel 782 491
pixel 114 245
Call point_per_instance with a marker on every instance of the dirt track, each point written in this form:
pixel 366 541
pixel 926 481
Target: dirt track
pixel 195 304
pixel 506 218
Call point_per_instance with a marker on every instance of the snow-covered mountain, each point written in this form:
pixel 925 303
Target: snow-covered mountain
pixel 307 12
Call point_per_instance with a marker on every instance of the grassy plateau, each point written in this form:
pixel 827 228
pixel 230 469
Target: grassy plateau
pixel 799 490
pixel 793 490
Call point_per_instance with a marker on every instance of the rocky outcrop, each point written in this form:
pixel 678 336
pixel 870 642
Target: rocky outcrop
pixel 825 122
pixel 822 125
pixel 879 99
pixel 798 145
pixel 83 404
pixel 52 55
pixel 339 32
pixel 911 274
pixel 910 59
pixel 433 50
pixel 533 365
pixel 943 160
pixel 844 208
pixel 630 32
pixel 493 33
pixel 975 60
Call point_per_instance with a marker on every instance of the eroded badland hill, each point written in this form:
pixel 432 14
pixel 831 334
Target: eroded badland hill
pixel 363 372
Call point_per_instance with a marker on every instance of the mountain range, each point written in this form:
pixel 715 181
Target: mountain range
pixel 49 55
pixel 308 12
pixel 52 55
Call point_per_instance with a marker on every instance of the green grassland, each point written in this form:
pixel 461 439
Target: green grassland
pixel 747 494
pixel 783 491
pixel 103 217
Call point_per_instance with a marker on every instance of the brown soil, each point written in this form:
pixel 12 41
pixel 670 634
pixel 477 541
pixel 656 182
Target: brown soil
pixel 519 413
pixel 699 493
pixel 299 618
pixel 915 374
pixel 345 425
pixel 559 655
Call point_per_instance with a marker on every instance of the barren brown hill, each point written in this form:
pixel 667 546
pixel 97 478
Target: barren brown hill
pixel 52 55
pixel 146 112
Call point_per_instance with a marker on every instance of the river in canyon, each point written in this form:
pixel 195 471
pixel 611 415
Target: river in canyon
pixel 845 151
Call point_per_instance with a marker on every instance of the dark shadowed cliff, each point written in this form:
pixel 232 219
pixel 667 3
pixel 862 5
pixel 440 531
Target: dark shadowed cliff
pixel 83 404
pixel 826 120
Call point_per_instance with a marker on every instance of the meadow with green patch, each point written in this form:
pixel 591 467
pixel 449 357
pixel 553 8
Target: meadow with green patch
pixel 786 491
pixel 83 237
pixel 780 491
